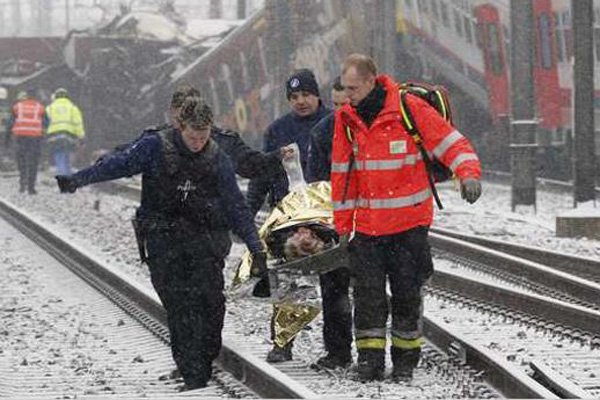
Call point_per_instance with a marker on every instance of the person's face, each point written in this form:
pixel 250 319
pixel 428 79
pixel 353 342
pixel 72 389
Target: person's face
pixel 195 138
pixel 303 103
pixel 339 98
pixel 305 236
pixel 357 87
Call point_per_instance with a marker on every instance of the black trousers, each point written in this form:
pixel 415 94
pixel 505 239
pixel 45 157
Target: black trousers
pixel 404 259
pixel 337 312
pixel 187 274
pixel 28 157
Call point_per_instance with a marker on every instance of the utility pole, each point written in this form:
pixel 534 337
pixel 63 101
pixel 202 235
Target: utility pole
pixel 382 35
pixel 523 144
pixel 215 10
pixel 388 51
pixel 584 171
pixel 280 45
pixel 67 17
pixel 16 17
pixel 241 9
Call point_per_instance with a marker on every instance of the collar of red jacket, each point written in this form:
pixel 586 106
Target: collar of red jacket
pixel 391 105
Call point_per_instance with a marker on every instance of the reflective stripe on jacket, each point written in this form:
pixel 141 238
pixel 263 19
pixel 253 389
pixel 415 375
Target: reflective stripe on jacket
pixel 65 117
pixel 387 190
pixel 28 118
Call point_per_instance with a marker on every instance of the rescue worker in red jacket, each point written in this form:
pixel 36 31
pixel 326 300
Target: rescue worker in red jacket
pixel 381 196
pixel 27 123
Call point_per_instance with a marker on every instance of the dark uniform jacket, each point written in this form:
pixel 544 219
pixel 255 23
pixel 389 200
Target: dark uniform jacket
pixel 196 192
pixel 247 162
pixel 319 152
pixel 288 129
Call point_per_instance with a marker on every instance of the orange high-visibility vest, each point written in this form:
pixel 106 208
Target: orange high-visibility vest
pixel 28 115
pixel 378 176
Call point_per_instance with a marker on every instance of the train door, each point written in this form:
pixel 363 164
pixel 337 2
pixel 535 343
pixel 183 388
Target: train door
pixel 495 66
pixel 547 89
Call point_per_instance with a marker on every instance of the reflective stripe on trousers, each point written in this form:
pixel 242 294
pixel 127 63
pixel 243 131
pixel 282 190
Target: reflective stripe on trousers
pixel 405 260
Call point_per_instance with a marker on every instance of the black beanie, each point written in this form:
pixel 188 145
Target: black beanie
pixel 302 80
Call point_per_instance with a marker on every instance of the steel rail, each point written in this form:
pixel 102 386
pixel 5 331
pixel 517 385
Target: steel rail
pixel 257 375
pixel 558 311
pixel 504 378
pixel 527 271
pixel 580 266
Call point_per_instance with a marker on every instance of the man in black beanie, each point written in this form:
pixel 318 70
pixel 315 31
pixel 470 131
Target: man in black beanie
pixel 302 92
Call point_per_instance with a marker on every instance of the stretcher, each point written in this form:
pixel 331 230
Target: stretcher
pixel 307 206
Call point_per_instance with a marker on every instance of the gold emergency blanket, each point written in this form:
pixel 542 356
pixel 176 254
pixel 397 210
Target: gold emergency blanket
pixel 293 310
pixel 289 318
pixel 311 204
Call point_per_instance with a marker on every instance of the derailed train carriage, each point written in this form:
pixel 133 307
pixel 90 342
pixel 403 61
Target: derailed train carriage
pixel 463 44
pixel 243 77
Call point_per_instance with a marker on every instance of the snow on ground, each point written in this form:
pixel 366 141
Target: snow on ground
pixel 492 217
pixel 101 223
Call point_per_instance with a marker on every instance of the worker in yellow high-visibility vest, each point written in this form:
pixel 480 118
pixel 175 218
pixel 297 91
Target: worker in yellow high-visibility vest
pixel 65 129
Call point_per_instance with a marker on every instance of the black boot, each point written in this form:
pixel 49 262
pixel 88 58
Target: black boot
pixel 280 354
pixel 371 364
pixel 173 375
pixel 334 360
pixel 405 361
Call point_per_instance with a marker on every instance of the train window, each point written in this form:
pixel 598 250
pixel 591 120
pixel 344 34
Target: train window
pixel 458 23
pixel 568 37
pixel 434 9
pixel 560 43
pixel 566 19
pixel 215 97
pixel 544 24
pixel 237 78
pixel 253 65
pixel 468 33
pixel 224 89
pixel 444 14
pixel 478 35
pixel 558 136
pixel 244 67
pixel 495 49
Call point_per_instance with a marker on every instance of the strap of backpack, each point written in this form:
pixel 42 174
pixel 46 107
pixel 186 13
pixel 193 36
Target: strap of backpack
pixel 350 138
pixel 413 130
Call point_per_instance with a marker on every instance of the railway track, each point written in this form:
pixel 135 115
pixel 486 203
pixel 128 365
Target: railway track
pixel 531 297
pixel 513 280
pixel 144 308
pixel 479 361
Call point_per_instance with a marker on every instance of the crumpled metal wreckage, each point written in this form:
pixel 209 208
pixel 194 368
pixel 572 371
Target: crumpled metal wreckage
pixel 294 291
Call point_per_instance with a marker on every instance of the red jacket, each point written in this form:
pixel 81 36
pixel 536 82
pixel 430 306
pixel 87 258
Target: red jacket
pixel 28 118
pixel 388 191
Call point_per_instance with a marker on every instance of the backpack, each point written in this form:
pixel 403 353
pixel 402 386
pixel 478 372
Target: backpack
pixel 437 97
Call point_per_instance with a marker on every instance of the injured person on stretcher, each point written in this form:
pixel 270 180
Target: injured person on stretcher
pixel 301 243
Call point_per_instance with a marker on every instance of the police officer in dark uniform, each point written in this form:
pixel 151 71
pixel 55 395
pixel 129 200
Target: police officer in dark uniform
pixel 190 202
pixel 247 162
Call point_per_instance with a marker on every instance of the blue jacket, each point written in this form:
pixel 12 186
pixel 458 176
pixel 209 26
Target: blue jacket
pixel 144 155
pixel 288 129
pixel 319 152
